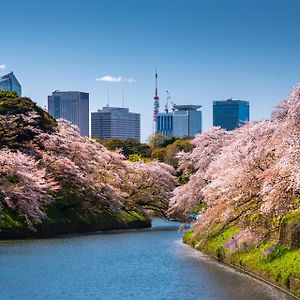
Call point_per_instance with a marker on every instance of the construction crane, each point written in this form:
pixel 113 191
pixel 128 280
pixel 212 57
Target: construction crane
pixel 169 100
pixel 167 104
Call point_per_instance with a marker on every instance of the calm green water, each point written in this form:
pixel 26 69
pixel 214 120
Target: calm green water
pixel 145 264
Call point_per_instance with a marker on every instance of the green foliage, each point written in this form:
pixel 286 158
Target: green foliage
pixel 259 219
pixel 12 104
pixel 159 154
pixel 135 216
pixel 252 257
pixel 173 149
pixel 160 147
pixel 8 216
pixel 128 147
pixel 291 217
pixel 68 205
pixel 8 219
pixel 62 212
pixel 279 264
pixel 284 266
pixel 296 201
pixel 254 217
pixel 187 236
pixel 137 157
pixel 7 94
pixel 68 208
pixel 160 140
pixel 165 149
pixel 276 262
pixel 182 178
pixel 189 239
pixel 15 131
pixel 68 214
pixel 12 178
pixel 134 157
pixel 276 252
pixel 200 207
pixel 215 244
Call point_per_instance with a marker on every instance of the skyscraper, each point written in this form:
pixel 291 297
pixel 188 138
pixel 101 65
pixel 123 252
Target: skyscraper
pixel 184 121
pixel 230 114
pixel 71 106
pixel 116 122
pixel 9 82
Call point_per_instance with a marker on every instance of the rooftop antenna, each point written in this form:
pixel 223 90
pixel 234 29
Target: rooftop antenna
pixel 155 105
pixel 107 105
pixel 123 98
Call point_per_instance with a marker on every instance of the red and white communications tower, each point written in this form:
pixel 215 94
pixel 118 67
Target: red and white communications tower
pixel 155 105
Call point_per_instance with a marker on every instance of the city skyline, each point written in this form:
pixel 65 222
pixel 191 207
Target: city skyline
pixel 200 53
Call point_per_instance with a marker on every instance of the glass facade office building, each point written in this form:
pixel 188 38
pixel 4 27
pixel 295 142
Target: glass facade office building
pixel 184 121
pixel 9 82
pixel 165 123
pixel 230 114
pixel 116 122
pixel 71 106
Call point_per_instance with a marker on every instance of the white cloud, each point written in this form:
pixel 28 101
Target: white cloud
pixel 2 67
pixel 109 78
pixel 130 80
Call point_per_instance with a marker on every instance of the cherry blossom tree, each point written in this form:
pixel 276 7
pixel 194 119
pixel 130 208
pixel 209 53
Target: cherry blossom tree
pixel 208 146
pixel 110 180
pixel 25 187
pixel 281 183
pixel 234 174
pixel 254 168
pixel 54 169
pixel 151 185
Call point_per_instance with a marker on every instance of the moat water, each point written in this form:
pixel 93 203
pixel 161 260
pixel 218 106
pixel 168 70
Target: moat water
pixel 139 264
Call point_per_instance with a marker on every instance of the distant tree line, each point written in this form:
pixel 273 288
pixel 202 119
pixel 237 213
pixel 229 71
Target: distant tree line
pixel 158 147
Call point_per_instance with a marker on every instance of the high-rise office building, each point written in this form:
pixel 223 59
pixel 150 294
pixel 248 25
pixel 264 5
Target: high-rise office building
pixel 230 114
pixel 9 82
pixel 187 120
pixel 116 122
pixel 184 121
pixel 164 123
pixel 71 106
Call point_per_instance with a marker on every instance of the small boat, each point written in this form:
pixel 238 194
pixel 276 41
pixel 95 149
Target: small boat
pixel 194 216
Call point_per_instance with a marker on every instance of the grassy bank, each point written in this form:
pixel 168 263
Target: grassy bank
pixel 279 264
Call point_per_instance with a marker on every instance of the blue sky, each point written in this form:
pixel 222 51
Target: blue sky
pixel 204 50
